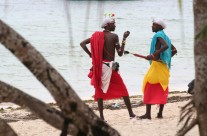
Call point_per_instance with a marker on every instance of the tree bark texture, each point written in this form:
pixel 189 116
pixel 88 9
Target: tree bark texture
pixel 50 115
pixel 72 107
pixel 200 51
pixel 5 129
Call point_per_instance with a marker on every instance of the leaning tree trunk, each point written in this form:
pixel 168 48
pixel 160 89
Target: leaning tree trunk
pixel 77 113
pixel 50 115
pixel 5 129
pixel 200 51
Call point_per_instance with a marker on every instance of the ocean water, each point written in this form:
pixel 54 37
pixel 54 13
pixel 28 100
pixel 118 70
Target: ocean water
pixel 56 28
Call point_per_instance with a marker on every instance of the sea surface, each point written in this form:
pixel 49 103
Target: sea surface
pixel 56 28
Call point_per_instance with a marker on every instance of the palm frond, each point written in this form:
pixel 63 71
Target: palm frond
pixel 187 117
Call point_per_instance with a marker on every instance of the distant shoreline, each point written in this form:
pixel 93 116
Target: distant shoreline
pixel 173 96
pixel 136 101
pixel 140 96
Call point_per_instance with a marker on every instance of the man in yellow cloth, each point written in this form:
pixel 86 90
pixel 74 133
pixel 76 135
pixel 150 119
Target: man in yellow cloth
pixel 155 84
pixel 104 75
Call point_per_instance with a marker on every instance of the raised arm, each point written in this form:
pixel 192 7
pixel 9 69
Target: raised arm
pixel 83 45
pixel 120 49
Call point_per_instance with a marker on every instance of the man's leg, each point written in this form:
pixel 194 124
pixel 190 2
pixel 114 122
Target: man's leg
pixel 148 112
pixel 128 105
pixel 100 108
pixel 159 114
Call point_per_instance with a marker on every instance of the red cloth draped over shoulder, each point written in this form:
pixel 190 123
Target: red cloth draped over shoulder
pixel 117 87
pixel 97 44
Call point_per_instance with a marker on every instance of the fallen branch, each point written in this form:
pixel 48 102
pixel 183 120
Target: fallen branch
pixel 5 129
pixel 50 115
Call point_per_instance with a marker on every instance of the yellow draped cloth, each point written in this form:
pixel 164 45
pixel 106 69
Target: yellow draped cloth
pixel 157 73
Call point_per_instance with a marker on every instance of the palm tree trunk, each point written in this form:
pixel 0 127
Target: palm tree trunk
pixel 200 51
pixel 50 115
pixel 5 129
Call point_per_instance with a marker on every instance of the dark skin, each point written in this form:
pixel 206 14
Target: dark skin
pixel 156 54
pixel 111 45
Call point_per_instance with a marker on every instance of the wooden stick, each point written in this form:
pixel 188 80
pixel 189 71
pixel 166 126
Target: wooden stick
pixel 137 55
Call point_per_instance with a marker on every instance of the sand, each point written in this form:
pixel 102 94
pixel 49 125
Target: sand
pixel 27 124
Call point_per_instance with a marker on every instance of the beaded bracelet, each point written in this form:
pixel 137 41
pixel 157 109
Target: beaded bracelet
pixel 152 55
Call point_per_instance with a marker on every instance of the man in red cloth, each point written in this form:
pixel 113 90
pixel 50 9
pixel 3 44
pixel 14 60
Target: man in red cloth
pixel 107 81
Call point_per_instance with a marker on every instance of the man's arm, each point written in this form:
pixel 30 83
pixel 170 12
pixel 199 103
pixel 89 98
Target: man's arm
pixel 119 49
pixel 159 49
pixel 83 45
pixel 165 46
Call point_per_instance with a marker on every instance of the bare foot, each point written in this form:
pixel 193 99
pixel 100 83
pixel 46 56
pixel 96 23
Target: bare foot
pixel 133 116
pixel 159 116
pixel 102 117
pixel 145 117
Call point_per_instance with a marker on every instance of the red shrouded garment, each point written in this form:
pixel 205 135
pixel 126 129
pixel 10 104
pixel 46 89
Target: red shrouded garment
pixel 155 83
pixel 97 44
pixel 154 94
pixel 117 87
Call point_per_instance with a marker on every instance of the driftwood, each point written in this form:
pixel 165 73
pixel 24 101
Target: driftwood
pixel 72 107
pixel 50 115
pixel 5 129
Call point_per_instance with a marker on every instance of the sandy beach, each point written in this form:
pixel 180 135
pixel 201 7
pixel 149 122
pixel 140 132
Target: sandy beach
pixel 27 124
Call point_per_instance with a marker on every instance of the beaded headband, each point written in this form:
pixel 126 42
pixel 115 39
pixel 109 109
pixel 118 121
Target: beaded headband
pixel 111 15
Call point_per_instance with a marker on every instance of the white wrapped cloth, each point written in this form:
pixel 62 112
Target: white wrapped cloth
pixel 106 21
pixel 159 21
pixel 106 76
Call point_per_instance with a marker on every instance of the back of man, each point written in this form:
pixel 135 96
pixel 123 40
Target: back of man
pixel 109 46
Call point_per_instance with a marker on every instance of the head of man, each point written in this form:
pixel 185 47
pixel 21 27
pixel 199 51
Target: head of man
pixel 157 25
pixel 109 24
